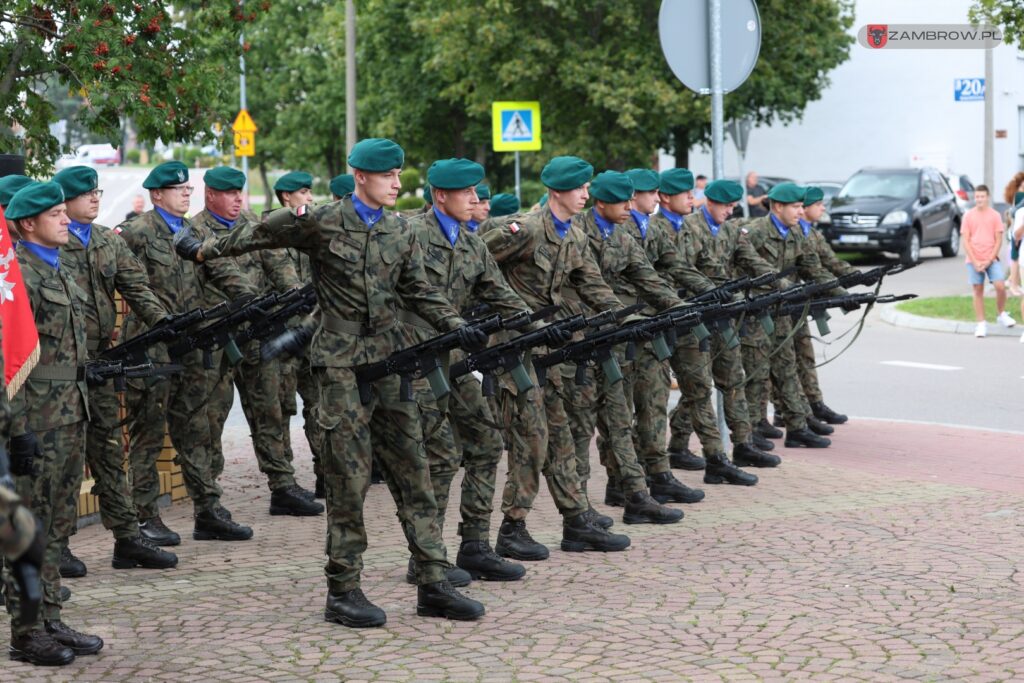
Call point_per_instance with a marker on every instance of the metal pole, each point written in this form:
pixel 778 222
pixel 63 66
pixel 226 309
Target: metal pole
pixel 989 123
pixel 717 153
pixel 243 104
pixel 350 76
pixel 517 177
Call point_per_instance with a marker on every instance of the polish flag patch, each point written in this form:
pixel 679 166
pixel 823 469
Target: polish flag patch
pixel 513 228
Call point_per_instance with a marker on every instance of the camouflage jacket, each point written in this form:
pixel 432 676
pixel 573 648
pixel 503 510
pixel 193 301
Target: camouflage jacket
pixel 106 265
pixel 267 270
pixel 359 275
pixel 624 265
pixel 783 253
pixel 53 396
pixel 663 251
pixel 179 285
pixel 828 258
pixel 720 257
pixel 540 265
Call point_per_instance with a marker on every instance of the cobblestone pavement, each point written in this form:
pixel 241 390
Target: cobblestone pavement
pixel 892 555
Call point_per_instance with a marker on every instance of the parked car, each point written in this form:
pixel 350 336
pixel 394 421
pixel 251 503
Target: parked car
pixel 963 188
pixel 829 187
pixel 91 155
pixel 898 210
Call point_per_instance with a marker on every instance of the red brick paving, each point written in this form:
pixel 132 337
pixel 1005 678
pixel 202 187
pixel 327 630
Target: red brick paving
pixel 892 555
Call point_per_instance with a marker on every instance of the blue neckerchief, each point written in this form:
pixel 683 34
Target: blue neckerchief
pixel 174 223
pixel 605 227
pixel 365 213
pixel 712 225
pixel 783 230
pixel 805 226
pixel 472 225
pixel 641 220
pixel 674 218
pixel 223 221
pixel 83 231
pixel 449 226
pixel 50 256
pixel 561 227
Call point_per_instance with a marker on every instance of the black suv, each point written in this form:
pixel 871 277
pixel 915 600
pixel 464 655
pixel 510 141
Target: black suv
pixel 894 209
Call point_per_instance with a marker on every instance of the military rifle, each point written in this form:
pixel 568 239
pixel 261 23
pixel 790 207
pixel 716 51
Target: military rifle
pixel 294 302
pixel 220 334
pixel 97 372
pixel 135 350
pixel 817 308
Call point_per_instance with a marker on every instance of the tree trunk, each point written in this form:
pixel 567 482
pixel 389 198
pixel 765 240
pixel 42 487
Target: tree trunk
pixel 681 145
pixel 268 193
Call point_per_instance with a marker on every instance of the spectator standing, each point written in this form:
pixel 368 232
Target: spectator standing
pixel 138 207
pixel 982 235
pixel 1017 233
pixel 1014 196
pixel 700 182
pixel 757 198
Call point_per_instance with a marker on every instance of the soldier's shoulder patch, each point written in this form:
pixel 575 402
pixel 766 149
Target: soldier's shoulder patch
pixel 513 227
pixel 116 230
pixel 744 231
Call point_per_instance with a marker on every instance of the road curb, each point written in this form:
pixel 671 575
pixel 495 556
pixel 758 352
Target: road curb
pixel 898 318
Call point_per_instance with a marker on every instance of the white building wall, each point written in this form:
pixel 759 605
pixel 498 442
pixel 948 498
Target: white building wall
pixel 885 107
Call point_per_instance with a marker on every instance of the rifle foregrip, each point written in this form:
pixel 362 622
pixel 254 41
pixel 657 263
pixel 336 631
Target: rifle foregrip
pixel 487 385
pixel 631 350
pixel 405 390
pixel 581 375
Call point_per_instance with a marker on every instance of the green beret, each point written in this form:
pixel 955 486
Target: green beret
pixel 504 204
pixel 77 180
pixel 612 187
pixel 33 199
pixel 10 184
pixel 454 174
pixel 813 195
pixel 343 184
pixel 543 201
pixel 166 174
pixel 724 191
pixel 566 173
pixel 786 193
pixel 644 179
pixel 376 155
pixel 483 192
pixel 293 182
pixel 427 197
pixel 675 180
pixel 224 178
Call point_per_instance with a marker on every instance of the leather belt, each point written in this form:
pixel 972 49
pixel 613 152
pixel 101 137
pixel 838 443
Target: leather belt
pixel 57 373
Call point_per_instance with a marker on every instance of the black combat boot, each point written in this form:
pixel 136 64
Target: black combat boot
pixel 154 531
pixel 80 643
pixel 745 455
pixel 65 594
pixel 70 566
pixel 819 427
pixel 768 430
pixel 454 575
pixel 603 521
pixel 721 471
pixel 796 438
pixel 778 421
pixel 222 512
pixel 641 508
pixel 685 460
pixel 140 552
pixel 319 491
pixel 376 475
pixel 352 609
pixel 291 500
pixel 613 495
pixel 210 527
pixel 665 488
pixel 442 600
pixel 515 541
pixel 304 493
pixel 826 414
pixel 761 443
pixel 39 648
pixel 580 534
pixel 482 563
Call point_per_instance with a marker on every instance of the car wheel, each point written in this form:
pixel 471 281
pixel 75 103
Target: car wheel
pixel 911 253
pixel 952 246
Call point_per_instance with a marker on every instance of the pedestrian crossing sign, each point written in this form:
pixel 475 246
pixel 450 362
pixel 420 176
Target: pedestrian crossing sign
pixel 516 126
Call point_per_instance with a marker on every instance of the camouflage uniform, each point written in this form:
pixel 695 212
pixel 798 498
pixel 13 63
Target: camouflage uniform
pixel 52 404
pixel 467 274
pixel 179 402
pixel 106 265
pixel 603 404
pixel 774 357
pixel 361 272
pixel 258 382
pixel 539 264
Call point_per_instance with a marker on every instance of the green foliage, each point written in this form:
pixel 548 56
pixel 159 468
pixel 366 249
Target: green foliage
pixel 531 191
pixel 954 307
pixel 411 180
pixel 132 156
pixel 161 65
pixel 409 203
pixel 1006 14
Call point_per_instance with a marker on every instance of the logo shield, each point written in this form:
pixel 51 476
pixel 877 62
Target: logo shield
pixel 878 35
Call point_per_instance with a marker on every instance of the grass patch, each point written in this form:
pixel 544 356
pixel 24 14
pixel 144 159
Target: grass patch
pixel 956 307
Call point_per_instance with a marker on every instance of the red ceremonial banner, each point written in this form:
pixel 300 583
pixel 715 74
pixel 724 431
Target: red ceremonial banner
pixel 20 339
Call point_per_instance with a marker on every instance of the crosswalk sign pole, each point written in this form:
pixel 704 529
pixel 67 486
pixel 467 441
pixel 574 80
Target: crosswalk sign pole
pixel 517 177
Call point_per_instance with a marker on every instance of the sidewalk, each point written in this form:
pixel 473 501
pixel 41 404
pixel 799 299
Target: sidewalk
pixel 894 316
pixel 891 555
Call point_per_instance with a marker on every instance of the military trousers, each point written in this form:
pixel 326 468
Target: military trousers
pixel 352 431
pixel 807 370
pixel 773 358
pixel 52 496
pixel 179 405
pixel 105 455
pixel 693 372
pixel 479 441
pixel 298 377
pixel 540 442
pixel 648 387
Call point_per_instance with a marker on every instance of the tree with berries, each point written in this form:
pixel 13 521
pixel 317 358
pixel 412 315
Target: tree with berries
pixel 162 65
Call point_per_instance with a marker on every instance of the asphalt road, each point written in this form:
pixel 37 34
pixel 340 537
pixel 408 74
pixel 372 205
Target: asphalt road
pixel 888 372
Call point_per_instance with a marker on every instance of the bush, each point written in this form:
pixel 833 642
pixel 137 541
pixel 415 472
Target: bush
pixel 410 203
pixel 531 191
pixel 411 180
pixel 132 156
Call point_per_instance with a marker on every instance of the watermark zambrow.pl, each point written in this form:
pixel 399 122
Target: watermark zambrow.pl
pixel 929 36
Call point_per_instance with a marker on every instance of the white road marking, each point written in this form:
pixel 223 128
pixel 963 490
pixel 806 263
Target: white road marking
pixel 922 366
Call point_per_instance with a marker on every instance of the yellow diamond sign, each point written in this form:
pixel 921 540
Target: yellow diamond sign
pixel 245 135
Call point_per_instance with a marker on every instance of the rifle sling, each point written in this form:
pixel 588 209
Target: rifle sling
pixel 415 320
